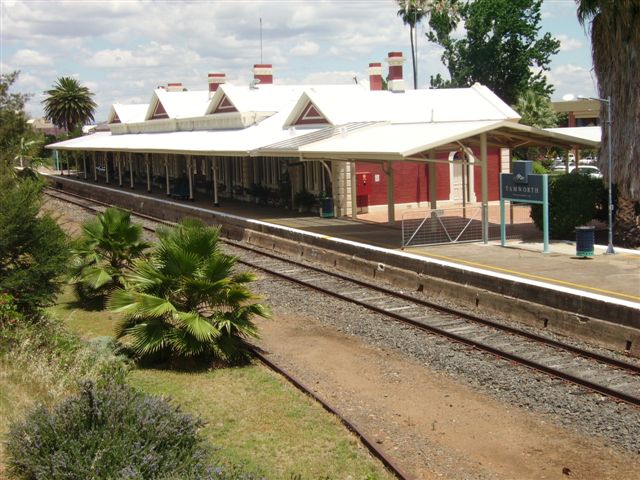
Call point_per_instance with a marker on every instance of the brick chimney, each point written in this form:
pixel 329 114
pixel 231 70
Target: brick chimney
pixel 395 61
pixel 375 76
pixel 215 80
pixel 264 73
pixel 175 87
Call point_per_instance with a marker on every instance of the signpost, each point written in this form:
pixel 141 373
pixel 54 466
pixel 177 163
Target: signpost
pixel 525 187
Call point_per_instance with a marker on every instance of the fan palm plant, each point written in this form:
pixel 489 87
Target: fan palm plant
pixel 185 300
pixel 68 104
pixel 104 252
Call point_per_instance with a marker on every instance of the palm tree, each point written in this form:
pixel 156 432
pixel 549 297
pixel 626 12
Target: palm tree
pixel 68 104
pixel 536 111
pixel 185 300
pixel 615 48
pixel 104 253
pixel 412 12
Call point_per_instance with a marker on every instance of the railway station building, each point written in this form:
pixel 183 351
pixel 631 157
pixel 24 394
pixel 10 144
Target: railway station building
pixel 349 149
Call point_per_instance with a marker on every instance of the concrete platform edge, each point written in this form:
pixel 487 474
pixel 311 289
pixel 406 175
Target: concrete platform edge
pixel 610 322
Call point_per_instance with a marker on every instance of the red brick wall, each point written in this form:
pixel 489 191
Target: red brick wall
pixel 412 180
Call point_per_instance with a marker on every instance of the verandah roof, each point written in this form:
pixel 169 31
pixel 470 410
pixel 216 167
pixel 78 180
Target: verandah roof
pixel 380 141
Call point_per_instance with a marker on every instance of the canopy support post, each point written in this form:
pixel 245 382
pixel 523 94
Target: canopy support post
pixel 214 165
pixel 146 164
pixel 84 164
pixel 433 194
pixel 95 167
pixel 166 172
pixel 485 188
pixel 190 175
pixel 391 206
pixel 106 166
pixel 130 171
pixel 119 157
pixel 354 193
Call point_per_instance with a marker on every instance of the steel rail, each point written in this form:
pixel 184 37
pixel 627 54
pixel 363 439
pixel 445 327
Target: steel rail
pixel 466 341
pixel 452 311
pixel 375 451
pixel 439 331
pixel 366 441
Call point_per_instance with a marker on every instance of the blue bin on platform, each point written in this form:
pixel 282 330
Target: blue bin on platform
pixel 585 240
pixel 326 210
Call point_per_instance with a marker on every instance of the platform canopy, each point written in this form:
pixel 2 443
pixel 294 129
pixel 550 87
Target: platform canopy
pixel 236 142
pixel 410 141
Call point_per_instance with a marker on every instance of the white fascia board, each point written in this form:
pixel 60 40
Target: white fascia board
pixel 152 105
pixel 215 100
pixel 561 137
pixel 306 98
pixel 473 130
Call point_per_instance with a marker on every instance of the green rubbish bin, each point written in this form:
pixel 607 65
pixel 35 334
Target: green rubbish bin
pixel 585 239
pixel 327 207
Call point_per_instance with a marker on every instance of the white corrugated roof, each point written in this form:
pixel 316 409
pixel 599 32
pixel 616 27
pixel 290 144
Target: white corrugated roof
pixel 342 104
pixel 402 140
pixel 180 104
pixel 223 142
pixel 128 113
pixel 263 98
pixel 588 133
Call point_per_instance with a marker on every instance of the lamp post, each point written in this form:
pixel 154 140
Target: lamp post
pixel 607 102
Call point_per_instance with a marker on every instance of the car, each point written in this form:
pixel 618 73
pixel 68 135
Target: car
pixel 591 170
pixel 587 161
pixel 559 166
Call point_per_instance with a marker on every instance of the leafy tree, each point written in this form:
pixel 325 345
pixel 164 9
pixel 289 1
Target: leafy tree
pixel 13 121
pixel 501 48
pixel 615 47
pixel 105 251
pixel 68 104
pixel 186 301
pixel 33 249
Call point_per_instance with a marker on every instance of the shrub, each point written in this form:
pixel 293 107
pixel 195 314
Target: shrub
pixel 33 248
pixel 573 201
pixel 109 431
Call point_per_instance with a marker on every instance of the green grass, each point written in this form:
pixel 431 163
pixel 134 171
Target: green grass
pixel 254 417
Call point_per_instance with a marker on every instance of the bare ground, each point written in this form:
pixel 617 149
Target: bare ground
pixel 431 426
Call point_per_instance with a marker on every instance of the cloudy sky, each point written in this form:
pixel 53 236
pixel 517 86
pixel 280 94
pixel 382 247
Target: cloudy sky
pixel 122 50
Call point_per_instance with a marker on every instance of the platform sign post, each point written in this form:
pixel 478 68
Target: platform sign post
pixel 525 187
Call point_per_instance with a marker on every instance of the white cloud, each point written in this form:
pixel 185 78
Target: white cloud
pixel 305 49
pixel 127 47
pixel 30 58
pixel 568 44
pixel 332 78
pixel 571 79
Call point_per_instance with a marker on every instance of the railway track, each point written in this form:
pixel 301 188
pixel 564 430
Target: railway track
pixel 599 373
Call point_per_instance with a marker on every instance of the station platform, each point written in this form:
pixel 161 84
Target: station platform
pixel 616 276
pixel 603 287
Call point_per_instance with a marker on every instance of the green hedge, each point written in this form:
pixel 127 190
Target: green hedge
pixel 574 200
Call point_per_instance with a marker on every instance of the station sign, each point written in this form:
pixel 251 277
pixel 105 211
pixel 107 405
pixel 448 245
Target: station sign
pixel 524 187
pixel 521 185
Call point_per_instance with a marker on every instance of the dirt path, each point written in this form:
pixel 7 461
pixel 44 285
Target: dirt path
pixel 429 425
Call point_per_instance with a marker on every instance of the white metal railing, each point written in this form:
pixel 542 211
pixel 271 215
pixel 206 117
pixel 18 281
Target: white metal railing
pixel 460 224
